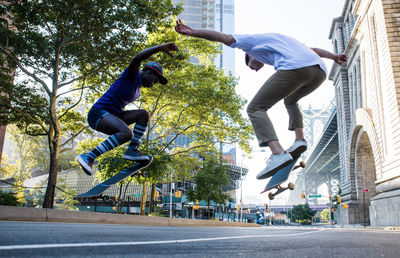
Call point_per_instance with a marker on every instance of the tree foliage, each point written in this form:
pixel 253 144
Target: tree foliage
pixel 325 214
pixel 302 213
pixel 209 183
pixel 8 199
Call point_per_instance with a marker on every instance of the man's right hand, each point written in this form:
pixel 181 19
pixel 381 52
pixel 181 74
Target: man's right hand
pixel 183 29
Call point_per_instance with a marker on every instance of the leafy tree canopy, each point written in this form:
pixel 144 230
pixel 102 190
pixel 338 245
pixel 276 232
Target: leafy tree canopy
pixel 302 213
pixel 209 182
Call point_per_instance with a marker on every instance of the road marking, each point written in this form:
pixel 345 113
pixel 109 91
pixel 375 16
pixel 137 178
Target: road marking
pixel 18 247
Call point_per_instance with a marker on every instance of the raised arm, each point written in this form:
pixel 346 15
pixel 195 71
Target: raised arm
pixel 211 35
pixel 326 54
pixel 143 55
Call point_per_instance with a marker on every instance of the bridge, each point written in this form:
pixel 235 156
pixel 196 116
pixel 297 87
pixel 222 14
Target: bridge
pixel 322 172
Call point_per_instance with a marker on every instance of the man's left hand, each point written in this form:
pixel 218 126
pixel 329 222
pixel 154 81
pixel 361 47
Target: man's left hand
pixel 340 58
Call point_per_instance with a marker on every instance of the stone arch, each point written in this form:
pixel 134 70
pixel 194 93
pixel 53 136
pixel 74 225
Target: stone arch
pixel 362 166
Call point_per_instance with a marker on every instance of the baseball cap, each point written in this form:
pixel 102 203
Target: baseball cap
pixel 158 69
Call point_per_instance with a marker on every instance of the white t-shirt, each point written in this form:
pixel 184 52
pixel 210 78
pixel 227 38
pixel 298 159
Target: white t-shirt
pixel 283 52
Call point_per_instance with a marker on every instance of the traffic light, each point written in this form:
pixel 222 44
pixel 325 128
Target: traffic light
pixel 178 194
pixel 196 206
pixel 266 206
pixel 303 195
pixel 339 199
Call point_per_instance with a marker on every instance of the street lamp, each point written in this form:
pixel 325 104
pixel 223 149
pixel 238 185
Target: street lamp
pixel 241 188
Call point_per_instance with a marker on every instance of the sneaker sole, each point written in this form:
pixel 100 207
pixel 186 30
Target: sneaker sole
pixel 135 158
pixel 298 151
pixel 148 164
pixel 85 167
pixel 273 171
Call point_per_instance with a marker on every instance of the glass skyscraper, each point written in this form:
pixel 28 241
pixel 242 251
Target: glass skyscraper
pixel 215 15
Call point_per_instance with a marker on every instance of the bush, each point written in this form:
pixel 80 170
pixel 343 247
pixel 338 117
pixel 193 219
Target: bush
pixel 8 199
pixel 302 213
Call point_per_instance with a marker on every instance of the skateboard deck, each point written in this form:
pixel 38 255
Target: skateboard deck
pixel 280 177
pixel 130 171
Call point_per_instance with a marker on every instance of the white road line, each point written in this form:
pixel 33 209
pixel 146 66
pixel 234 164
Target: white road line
pixel 18 247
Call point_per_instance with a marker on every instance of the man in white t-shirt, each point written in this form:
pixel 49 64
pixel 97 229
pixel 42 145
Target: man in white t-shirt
pixel 300 71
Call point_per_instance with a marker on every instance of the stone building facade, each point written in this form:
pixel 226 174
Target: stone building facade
pixel 368 110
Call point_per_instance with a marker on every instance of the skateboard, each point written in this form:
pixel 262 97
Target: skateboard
pixel 280 177
pixel 130 171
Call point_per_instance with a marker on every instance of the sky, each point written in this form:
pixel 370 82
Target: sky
pixel 309 21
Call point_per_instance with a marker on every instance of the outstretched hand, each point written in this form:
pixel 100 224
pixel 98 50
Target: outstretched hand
pixel 168 47
pixel 340 58
pixel 182 28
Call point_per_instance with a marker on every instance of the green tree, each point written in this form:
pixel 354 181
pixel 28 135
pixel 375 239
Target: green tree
pixel 302 213
pixel 8 199
pixel 8 170
pixel 67 196
pixel 57 47
pixel 209 183
pixel 325 214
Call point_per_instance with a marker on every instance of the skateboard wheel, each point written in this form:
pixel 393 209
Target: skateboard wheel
pixel 302 164
pixel 271 196
pixel 291 186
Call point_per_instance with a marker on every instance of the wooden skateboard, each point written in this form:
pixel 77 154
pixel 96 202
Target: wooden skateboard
pixel 130 171
pixel 280 177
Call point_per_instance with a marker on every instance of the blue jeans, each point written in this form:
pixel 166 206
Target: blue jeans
pixel 95 115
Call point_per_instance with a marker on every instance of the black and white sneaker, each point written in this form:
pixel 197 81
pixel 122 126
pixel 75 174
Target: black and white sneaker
pixel 134 155
pixel 86 163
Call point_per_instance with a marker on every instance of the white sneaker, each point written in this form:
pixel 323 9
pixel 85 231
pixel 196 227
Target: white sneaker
pixel 298 147
pixel 275 163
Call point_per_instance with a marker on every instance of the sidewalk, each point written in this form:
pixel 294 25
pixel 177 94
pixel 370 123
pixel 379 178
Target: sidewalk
pixel 9 213
pixel 338 226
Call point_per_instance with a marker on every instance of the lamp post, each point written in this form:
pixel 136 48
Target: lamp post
pixel 241 188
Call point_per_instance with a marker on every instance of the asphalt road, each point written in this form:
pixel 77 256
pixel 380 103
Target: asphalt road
pixel 38 239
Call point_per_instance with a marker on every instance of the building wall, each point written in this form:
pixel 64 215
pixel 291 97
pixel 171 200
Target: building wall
pixel 367 90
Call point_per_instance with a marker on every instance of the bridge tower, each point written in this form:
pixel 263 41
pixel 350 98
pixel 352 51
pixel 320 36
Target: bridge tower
pixel 310 117
pixel 311 133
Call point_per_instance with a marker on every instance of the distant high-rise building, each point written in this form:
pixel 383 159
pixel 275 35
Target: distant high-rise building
pixel 212 15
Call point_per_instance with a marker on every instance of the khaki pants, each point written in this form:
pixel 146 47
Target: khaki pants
pixel 290 85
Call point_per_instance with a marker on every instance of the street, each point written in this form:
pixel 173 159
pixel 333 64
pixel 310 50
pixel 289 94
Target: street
pixel 38 239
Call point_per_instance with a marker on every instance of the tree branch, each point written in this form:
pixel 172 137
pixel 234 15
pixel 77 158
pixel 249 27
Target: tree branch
pixel 84 76
pixel 187 150
pixel 74 105
pixel 26 115
pixel 179 133
pixel 8 53
pixel 74 136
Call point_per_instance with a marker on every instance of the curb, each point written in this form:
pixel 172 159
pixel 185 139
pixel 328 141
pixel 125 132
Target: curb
pixel 392 228
pixel 9 213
